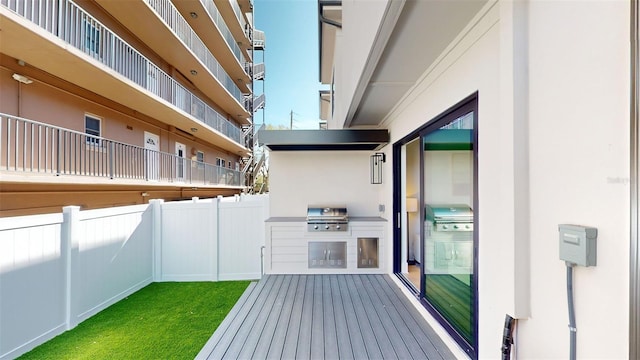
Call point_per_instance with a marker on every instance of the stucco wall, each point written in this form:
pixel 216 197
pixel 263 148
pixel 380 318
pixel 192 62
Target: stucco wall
pixel 572 105
pixel 579 141
pixel 301 178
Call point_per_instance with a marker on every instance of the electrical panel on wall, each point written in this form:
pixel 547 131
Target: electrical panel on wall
pixel 578 244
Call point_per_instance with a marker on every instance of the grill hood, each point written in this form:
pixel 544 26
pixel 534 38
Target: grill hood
pixel 309 140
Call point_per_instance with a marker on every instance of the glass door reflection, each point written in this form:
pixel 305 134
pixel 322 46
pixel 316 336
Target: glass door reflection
pixel 448 163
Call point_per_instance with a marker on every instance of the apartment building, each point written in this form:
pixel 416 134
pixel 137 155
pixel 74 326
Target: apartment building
pixel 509 178
pixel 110 103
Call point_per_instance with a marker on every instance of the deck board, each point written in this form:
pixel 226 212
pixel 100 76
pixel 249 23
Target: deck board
pixel 324 317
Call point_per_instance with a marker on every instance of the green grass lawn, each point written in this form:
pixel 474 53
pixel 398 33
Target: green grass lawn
pixel 161 321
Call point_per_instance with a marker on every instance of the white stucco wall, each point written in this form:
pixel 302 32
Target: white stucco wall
pixel 579 168
pixel 575 168
pixel 301 178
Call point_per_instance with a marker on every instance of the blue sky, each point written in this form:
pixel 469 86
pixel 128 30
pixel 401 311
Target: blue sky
pixel 291 62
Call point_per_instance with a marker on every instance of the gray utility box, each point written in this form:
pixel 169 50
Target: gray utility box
pixel 367 252
pixel 327 254
pixel 578 244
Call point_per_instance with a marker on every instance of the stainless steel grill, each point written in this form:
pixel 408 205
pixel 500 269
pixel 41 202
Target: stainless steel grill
pixel 450 217
pixel 327 218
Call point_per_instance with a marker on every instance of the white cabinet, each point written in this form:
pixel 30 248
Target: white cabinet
pixel 291 249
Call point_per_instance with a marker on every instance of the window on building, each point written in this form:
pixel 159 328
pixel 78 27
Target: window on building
pixel 92 129
pixel 200 156
pixel 237 166
pixel 220 162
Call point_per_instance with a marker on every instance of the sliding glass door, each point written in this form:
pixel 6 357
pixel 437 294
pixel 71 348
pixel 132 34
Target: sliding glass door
pixel 436 191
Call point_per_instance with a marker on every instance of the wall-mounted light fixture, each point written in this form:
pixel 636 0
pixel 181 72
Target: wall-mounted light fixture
pixel 193 15
pixel 376 167
pixel 193 72
pixel 194 129
pixel 21 78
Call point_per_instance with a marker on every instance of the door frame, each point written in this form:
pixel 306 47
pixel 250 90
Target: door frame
pixel 470 103
pixel 181 161
pixel 634 248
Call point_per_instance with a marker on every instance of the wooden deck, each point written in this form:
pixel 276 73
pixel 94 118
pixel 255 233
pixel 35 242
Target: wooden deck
pixel 324 317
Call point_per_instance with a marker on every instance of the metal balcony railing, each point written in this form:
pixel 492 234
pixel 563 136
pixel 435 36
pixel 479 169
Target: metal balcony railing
pixel 258 71
pixel 224 29
pixel 258 102
pixel 258 39
pixel 65 20
pixel 181 28
pixel 241 20
pixel 29 146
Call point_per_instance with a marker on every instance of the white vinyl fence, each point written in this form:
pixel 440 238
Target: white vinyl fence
pixel 58 270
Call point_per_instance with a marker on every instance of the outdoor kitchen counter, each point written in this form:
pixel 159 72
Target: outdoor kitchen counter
pixel 304 219
pixel 291 249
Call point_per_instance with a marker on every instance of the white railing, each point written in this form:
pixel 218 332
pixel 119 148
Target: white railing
pixel 258 102
pixel 33 147
pixel 258 71
pixel 258 39
pixel 58 270
pixel 181 28
pixel 246 26
pixel 224 29
pixel 65 20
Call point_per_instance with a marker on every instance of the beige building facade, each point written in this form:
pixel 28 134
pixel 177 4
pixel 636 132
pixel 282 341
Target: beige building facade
pixel 101 107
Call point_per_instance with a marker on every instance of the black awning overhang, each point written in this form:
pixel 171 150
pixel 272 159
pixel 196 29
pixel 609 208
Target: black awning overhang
pixel 313 140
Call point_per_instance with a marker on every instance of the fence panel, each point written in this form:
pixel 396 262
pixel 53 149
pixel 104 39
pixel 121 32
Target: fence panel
pixel 32 282
pixel 241 237
pixel 189 249
pixel 114 256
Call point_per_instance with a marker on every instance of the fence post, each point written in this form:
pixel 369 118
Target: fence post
pixel 156 238
pixel 69 250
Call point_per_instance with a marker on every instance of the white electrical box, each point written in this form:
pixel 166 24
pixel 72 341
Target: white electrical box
pixel 578 244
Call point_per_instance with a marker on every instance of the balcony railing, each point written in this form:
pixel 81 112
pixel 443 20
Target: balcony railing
pixel 258 102
pixel 65 20
pixel 258 39
pixel 241 20
pixel 181 28
pixel 28 146
pixel 258 71
pixel 224 29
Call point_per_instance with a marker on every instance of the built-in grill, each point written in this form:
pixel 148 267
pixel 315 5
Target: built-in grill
pixel 327 218
pixel 450 217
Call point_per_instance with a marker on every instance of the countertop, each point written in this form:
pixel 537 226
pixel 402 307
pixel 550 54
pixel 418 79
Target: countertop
pixel 304 219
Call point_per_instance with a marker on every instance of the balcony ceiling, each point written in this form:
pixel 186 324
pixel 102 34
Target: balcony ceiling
pixel 142 21
pixel 34 45
pixel 422 32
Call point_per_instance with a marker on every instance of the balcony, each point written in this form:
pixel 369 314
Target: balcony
pixel 210 24
pixel 258 102
pixel 258 40
pixel 258 71
pixel 69 43
pixel 34 148
pixel 161 27
pixel 237 23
